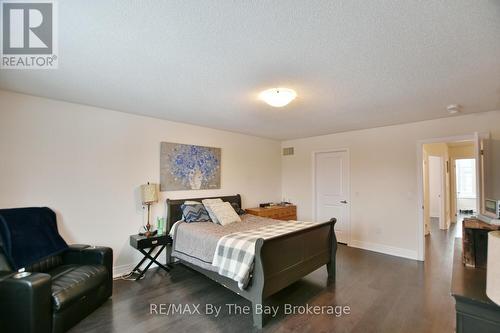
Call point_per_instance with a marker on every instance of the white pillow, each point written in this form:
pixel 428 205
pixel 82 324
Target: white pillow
pixel 225 213
pixel 189 202
pixel 207 203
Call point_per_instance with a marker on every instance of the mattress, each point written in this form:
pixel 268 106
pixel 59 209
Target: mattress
pixel 196 242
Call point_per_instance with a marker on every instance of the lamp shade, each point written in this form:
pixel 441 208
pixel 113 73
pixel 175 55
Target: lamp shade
pixel 493 267
pixel 149 193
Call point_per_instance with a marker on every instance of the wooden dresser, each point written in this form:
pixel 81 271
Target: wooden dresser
pixel 275 212
pixel 475 312
pixel 475 241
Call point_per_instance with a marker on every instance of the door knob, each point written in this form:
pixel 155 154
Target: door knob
pixel 343 201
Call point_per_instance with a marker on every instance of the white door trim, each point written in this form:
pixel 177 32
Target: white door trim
pixel 420 183
pixel 313 157
pixel 443 218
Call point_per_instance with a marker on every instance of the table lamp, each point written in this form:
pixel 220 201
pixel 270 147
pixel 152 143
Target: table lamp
pixel 149 195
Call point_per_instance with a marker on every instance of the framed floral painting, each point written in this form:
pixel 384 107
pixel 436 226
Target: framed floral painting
pixel 189 167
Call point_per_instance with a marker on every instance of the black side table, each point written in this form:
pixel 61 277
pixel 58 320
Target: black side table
pixel 141 243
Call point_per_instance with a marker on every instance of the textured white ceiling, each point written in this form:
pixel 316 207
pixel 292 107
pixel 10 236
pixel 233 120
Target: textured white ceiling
pixel 354 64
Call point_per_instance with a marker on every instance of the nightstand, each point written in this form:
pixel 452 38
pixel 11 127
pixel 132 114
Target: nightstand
pixel 141 243
pixel 285 213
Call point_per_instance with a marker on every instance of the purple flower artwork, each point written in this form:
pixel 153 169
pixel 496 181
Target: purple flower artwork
pixel 188 167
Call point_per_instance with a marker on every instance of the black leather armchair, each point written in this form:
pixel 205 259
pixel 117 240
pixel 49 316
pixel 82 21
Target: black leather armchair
pixel 59 291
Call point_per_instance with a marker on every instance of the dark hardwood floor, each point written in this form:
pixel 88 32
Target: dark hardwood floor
pixel 384 293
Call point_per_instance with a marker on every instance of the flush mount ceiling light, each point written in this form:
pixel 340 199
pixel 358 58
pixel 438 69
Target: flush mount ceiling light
pixel 278 97
pixel 454 108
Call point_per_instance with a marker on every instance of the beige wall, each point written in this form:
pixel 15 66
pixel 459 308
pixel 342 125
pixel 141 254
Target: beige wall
pixel 465 150
pixel 87 164
pixel 383 176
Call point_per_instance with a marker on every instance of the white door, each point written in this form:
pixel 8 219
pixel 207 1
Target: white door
pixel 435 184
pixel 437 190
pixel 331 187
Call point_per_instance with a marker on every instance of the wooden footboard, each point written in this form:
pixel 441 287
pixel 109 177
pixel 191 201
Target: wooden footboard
pixel 282 260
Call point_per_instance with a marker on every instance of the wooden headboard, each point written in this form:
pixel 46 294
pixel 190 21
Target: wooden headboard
pixel 174 212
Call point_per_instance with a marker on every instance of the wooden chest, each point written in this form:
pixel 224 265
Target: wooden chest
pixel 475 241
pixel 275 212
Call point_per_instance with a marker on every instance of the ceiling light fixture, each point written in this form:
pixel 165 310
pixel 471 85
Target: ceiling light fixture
pixel 278 97
pixel 454 108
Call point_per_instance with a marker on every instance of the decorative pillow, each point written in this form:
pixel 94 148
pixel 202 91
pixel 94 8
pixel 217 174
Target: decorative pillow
pixel 225 213
pixel 207 203
pixel 195 213
pixel 237 208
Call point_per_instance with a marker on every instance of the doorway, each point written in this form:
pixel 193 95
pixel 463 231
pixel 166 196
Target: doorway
pixel 437 186
pixel 442 216
pixel 465 185
pixel 331 191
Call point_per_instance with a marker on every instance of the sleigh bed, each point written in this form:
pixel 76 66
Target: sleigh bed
pixel 279 261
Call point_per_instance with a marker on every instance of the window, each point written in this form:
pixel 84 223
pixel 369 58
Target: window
pixel 466 178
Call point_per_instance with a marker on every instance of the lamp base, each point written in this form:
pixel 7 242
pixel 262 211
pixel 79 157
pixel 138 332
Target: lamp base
pixel 148 233
pixel 148 227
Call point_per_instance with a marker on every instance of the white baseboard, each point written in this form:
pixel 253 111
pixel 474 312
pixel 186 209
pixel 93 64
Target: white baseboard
pixel 385 249
pixel 122 269
pixel 119 270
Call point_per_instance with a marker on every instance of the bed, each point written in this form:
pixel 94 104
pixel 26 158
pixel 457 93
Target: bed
pixel 279 261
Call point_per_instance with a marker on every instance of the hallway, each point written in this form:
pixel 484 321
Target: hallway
pixel 439 246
